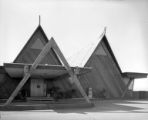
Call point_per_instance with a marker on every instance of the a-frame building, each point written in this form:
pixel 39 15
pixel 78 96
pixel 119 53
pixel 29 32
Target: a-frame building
pixel 40 70
pixel 106 79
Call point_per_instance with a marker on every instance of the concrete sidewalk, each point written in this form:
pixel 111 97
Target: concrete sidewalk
pixel 44 105
pixel 103 110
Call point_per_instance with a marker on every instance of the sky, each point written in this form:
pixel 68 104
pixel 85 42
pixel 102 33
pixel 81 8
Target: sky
pixel 77 25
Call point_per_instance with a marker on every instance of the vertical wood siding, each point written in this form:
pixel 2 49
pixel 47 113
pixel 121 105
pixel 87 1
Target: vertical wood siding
pixel 104 75
pixel 29 53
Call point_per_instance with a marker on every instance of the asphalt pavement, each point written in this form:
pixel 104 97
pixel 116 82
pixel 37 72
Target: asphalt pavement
pixel 103 110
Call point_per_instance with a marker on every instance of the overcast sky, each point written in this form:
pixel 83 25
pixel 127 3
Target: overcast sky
pixel 77 24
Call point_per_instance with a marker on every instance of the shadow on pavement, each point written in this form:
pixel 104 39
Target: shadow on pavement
pixel 106 106
pixel 112 107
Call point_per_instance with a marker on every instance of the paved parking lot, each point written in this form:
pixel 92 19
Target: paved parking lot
pixel 103 110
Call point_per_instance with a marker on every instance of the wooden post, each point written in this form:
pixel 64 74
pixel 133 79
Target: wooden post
pixel 27 73
pixel 126 89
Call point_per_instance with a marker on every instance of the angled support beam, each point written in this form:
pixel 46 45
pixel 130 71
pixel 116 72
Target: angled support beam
pixel 62 58
pixel 127 86
pixel 71 73
pixel 78 84
pixel 27 72
pixel 15 92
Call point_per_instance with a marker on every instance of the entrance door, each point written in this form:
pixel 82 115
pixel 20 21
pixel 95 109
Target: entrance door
pixel 38 88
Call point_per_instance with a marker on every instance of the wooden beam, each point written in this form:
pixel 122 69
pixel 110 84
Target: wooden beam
pixel 42 54
pixel 15 92
pixel 71 73
pixel 127 86
pixel 79 86
pixel 62 58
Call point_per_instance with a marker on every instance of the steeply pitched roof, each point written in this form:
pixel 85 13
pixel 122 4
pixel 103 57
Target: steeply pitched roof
pixel 39 28
pixel 34 46
pixel 82 58
pixel 111 52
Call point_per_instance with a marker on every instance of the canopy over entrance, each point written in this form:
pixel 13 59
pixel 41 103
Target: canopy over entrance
pixel 16 70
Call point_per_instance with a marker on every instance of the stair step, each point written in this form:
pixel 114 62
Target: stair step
pixel 40 99
pixel 29 106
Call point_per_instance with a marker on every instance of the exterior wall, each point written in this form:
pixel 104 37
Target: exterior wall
pixel 7 84
pixel 114 67
pixel 105 79
pixel 140 94
pixel 65 86
pixel 146 95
